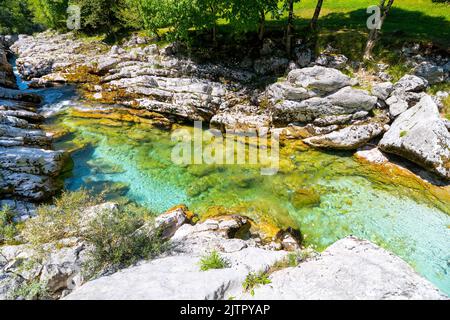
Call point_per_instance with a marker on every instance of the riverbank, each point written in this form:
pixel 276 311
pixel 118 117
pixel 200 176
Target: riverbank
pixel 134 95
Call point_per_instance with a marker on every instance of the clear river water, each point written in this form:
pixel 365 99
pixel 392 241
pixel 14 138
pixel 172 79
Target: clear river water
pixel 327 195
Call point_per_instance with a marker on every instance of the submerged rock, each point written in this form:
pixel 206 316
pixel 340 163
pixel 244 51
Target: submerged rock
pixel 420 135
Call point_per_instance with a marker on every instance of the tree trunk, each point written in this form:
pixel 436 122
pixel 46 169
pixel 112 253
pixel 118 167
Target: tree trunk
pixel 290 27
pixel 214 27
pixel 262 25
pixel 315 18
pixel 374 33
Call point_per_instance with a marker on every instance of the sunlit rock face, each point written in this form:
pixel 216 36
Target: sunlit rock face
pixel 420 135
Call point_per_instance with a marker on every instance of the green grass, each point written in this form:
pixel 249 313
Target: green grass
pixel 419 19
pixel 254 280
pixel 444 86
pixel 30 290
pixel 213 260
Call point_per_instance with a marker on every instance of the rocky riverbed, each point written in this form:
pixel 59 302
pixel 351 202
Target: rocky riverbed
pixel 314 103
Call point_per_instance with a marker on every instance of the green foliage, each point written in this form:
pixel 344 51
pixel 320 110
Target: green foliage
pixel 253 280
pixel 153 14
pixel 107 16
pixel 290 261
pixel 61 220
pixel 8 228
pixel 15 17
pixel 246 15
pixel 120 239
pixel 30 290
pixel 49 13
pixel 213 260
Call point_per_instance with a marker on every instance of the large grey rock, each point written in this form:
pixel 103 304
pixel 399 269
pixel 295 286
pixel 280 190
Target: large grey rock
pixel 177 275
pixel 12 129
pixel 349 138
pixel 401 100
pixel 286 91
pixel 345 101
pixel 411 83
pixel 319 78
pixel 349 269
pixel 56 266
pixel 178 278
pixel 420 135
pixel 31 160
pixel 27 186
pixel 382 90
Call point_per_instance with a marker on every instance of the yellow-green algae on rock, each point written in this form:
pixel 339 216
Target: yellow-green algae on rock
pixel 327 195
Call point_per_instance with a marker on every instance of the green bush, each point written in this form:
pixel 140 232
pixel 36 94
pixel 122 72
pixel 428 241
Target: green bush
pixel 8 229
pixel 30 290
pixel 213 260
pixel 60 220
pixel 120 239
pixel 253 280
pixel 15 17
pixel 49 13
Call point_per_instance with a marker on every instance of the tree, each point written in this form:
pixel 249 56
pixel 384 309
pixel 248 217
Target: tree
pixel 49 13
pixel 15 17
pixel 289 4
pixel 374 33
pixel 245 15
pixel 153 14
pixel 210 12
pixel 315 18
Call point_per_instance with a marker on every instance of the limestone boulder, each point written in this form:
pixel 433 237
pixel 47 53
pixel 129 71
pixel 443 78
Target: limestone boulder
pixel 420 135
pixel 348 138
pixel 350 269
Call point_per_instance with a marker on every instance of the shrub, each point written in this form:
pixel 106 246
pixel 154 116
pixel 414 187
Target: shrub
pixel 30 290
pixel 49 13
pixel 60 220
pixel 213 260
pixel 292 260
pixel 253 280
pixel 8 228
pixel 119 239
